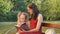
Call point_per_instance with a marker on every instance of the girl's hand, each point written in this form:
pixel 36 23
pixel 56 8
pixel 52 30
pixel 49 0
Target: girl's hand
pixel 17 25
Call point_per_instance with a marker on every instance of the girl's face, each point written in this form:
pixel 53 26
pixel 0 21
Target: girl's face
pixel 22 18
pixel 29 10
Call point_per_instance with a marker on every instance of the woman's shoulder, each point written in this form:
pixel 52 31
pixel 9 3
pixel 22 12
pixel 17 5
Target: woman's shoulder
pixel 39 15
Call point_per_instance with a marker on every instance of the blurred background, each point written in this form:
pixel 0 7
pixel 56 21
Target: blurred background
pixel 50 9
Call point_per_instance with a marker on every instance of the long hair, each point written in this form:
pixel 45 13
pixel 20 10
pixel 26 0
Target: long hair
pixel 20 13
pixel 35 10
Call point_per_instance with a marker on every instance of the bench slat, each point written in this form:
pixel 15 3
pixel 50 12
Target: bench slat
pixel 51 25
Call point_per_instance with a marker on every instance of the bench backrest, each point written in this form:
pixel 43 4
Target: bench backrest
pixel 51 25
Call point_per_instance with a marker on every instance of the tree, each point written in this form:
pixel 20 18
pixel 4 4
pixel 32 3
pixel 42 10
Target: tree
pixel 50 9
pixel 5 7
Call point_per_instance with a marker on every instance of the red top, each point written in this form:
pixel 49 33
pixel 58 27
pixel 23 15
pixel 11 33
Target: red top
pixel 33 24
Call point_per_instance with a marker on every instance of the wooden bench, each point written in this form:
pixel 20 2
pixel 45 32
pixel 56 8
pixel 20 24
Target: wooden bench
pixel 50 25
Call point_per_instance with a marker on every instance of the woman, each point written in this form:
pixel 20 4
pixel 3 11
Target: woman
pixel 35 20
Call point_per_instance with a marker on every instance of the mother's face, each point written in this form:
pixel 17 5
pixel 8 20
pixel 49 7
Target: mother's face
pixel 29 10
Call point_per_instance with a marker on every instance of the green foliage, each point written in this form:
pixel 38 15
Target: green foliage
pixel 19 5
pixel 50 9
pixel 9 9
pixel 5 7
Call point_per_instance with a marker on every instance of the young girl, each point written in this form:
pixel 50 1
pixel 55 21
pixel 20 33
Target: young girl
pixel 21 22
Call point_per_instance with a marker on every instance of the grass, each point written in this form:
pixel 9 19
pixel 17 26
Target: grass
pixel 5 26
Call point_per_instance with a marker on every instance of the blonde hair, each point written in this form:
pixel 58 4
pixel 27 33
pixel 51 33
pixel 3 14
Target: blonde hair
pixel 20 13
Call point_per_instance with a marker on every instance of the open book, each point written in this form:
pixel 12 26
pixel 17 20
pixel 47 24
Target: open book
pixel 23 27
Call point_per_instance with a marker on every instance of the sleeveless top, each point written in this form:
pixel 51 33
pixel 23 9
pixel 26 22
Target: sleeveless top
pixel 33 24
